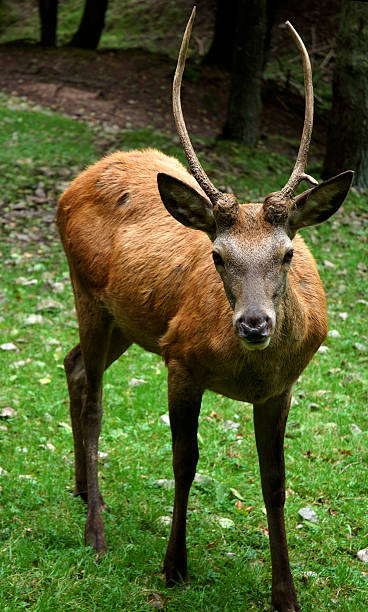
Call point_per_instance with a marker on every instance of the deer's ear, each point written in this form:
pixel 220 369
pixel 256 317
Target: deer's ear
pixel 185 204
pixel 320 202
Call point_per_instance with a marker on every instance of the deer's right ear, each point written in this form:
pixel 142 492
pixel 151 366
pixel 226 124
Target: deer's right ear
pixel 185 204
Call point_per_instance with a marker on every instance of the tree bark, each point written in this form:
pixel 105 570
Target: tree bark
pixel 347 144
pixel 221 50
pixel 48 17
pixel 91 25
pixel 243 117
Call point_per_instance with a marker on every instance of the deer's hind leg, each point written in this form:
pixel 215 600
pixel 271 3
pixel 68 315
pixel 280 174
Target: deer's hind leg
pixel 100 344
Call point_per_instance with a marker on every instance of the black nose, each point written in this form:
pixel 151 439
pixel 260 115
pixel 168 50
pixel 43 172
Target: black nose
pixel 253 329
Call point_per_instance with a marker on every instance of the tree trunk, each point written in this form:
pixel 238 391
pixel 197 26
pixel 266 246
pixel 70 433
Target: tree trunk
pixel 48 17
pixel 221 50
pixel 243 117
pixel 91 26
pixel 347 144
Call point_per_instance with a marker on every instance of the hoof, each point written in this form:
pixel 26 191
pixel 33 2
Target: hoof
pixel 285 607
pixel 94 534
pixel 174 575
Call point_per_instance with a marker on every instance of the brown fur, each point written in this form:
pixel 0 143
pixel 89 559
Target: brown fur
pixel 140 276
pixel 157 278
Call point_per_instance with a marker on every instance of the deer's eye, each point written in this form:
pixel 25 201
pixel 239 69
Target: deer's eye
pixel 217 258
pixel 288 256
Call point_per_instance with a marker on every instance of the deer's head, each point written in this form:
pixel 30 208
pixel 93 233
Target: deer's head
pixel 252 243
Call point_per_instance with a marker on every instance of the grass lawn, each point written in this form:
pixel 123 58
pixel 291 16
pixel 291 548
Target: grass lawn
pixel 43 563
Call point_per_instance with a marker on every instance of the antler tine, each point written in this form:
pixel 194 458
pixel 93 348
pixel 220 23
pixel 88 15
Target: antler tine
pixel 194 164
pixel 298 174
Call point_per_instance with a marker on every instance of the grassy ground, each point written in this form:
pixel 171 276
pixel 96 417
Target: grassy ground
pixel 136 24
pixel 43 563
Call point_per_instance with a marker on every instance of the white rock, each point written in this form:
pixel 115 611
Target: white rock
pixel 165 419
pixel 7 412
pixel 165 483
pixel 363 555
pixel 228 424
pixel 323 349
pixel 355 429
pixel 33 319
pixel 135 382
pixel 203 478
pixel 308 514
pixel 8 346
pixel 19 364
pixel 362 348
pixel 226 523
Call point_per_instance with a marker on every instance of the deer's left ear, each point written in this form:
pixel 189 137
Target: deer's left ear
pixel 320 202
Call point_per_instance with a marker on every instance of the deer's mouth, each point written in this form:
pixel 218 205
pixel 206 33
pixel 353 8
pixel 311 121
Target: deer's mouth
pixel 256 345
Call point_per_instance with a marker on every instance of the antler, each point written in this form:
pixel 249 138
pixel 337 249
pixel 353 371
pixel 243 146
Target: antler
pixel 193 161
pixel 298 174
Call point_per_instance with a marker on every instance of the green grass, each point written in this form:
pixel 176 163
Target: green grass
pixel 43 563
pixel 135 24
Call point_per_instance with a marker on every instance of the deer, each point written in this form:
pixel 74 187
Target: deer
pixel 227 293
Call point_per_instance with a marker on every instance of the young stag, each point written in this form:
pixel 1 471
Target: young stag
pixel 237 308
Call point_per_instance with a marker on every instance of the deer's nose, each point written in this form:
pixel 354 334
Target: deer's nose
pixel 253 329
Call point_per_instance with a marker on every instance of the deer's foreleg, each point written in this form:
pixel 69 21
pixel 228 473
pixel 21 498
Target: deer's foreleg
pixel 269 423
pixel 184 405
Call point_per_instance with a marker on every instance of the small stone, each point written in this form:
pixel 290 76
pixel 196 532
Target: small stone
pixel 333 333
pixel 135 382
pixel 33 319
pixel 7 413
pixel 165 419
pixel 203 479
pixel 362 348
pixel 308 514
pixel 25 281
pixel 363 555
pixel 355 429
pixel 314 407
pixel 311 574
pixel 231 425
pixel 323 349
pixel 48 304
pixel 226 523
pixel 19 364
pixel 8 346
pixel 165 483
